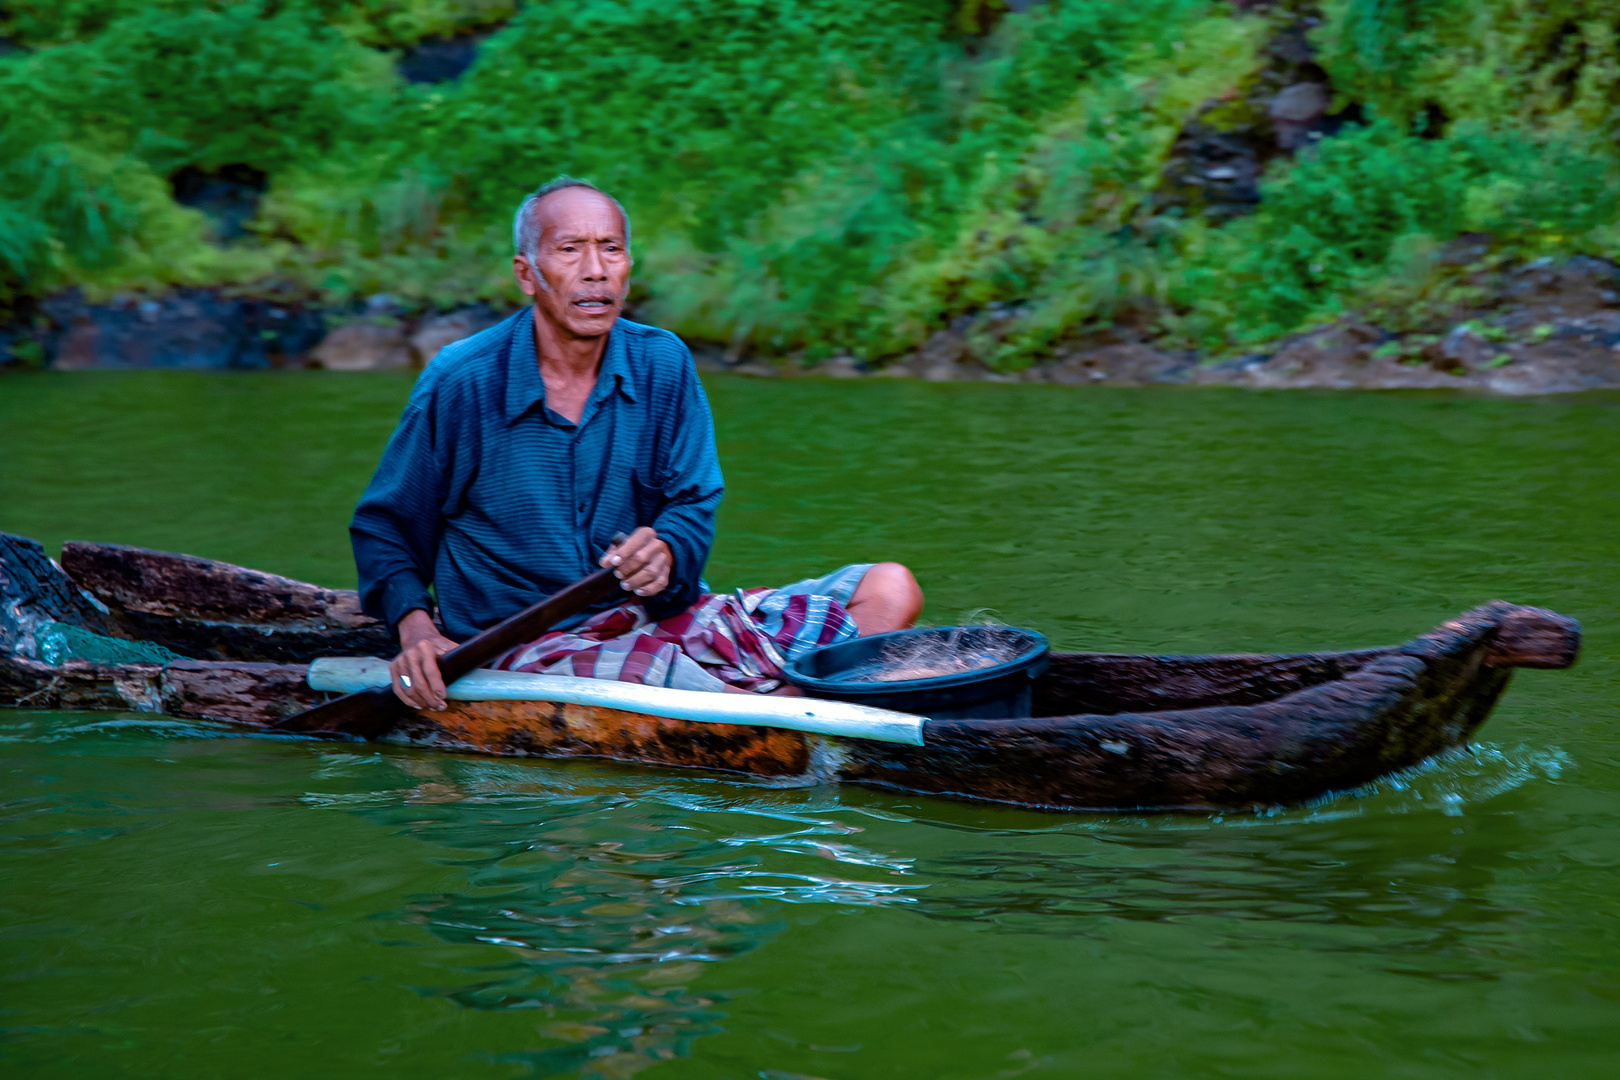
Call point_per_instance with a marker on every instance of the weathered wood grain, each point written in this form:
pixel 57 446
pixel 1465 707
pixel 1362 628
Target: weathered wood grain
pixel 237 691
pixel 213 610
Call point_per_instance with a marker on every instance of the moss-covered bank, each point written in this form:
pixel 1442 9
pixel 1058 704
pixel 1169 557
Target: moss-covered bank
pixel 820 178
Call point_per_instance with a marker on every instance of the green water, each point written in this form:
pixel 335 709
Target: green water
pixel 178 901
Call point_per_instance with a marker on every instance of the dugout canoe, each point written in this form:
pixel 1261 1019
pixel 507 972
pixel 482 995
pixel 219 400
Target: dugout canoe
pixel 1110 731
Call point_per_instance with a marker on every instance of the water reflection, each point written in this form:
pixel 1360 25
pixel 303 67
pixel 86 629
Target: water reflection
pixel 606 893
pixel 609 898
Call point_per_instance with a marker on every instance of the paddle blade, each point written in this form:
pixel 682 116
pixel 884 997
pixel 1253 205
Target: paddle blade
pixel 365 714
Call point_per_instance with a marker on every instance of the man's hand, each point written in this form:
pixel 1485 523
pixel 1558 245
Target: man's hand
pixel 642 563
pixel 415 671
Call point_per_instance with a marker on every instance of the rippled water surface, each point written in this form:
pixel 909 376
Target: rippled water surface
pixel 178 900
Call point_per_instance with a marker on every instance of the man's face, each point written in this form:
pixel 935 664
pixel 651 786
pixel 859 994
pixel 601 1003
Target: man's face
pixel 582 263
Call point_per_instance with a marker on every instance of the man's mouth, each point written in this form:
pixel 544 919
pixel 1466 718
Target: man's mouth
pixel 594 303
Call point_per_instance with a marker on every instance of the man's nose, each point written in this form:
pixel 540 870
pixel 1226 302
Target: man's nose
pixel 595 267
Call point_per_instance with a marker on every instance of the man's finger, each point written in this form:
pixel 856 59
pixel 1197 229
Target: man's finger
pixel 433 690
pixel 634 551
pixel 412 680
pixel 397 674
pixel 643 577
pixel 643 574
pixel 633 545
pixel 421 667
pixel 649 583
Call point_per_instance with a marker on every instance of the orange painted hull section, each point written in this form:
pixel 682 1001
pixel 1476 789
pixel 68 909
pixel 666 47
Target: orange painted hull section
pixel 551 729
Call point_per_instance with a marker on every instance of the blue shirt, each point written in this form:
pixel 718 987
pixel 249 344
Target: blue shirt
pixel 496 501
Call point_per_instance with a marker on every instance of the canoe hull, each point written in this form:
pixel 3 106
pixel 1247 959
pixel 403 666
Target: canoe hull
pixel 1111 732
pixel 1394 712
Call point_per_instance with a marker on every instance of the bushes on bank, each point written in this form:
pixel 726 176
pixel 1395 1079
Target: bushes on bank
pixel 807 175
pixel 1357 208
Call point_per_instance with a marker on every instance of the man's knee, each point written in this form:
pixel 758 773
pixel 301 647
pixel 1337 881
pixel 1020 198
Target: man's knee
pixel 891 585
pixel 901 588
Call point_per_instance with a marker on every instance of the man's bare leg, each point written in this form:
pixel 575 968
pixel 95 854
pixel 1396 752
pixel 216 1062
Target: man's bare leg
pixel 886 599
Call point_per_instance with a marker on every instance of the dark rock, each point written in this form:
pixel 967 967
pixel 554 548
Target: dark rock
pixel 434 332
pixel 229 195
pixel 189 328
pixel 440 59
pixel 1296 113
pixel 841 366
pixel 1236 364
pixel 945 347
pixel 1461 350
pixel 1216 172
pixel 1290 45
pixel 1467 249
pixel 1567 355
pixel 364 346
pixel 1579 284
pixel 1217 160
pixel 1131 364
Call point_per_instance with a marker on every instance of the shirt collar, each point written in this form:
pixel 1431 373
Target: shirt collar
pixel 525 389
pixel 615 371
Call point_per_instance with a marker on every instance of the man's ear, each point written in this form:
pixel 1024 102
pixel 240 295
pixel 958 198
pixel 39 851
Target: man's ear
pixel 524 271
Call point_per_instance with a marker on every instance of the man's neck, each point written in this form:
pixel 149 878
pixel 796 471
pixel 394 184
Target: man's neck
pixel 568 367
pixel 563 355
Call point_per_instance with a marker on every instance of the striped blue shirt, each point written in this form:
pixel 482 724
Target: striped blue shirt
pixel 496 501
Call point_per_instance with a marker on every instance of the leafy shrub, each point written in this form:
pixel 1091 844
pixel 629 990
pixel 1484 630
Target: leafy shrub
pixel 385 23
pixel 805 175
pixel 208 88
pixel 1330 224
pixel 1538 63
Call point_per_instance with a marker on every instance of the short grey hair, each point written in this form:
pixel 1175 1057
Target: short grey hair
pixel 526 237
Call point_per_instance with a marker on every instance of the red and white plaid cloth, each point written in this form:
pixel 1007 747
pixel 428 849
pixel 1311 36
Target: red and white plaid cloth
pixel 741 639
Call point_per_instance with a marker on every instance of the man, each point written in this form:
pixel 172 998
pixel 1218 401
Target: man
pixel 525 448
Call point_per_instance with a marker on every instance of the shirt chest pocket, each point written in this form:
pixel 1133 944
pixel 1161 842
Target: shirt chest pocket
pixel 646 496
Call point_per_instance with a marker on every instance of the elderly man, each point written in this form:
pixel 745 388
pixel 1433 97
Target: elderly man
pixel 524 449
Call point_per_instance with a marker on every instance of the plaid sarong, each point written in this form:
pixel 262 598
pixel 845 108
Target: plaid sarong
pixel 740 639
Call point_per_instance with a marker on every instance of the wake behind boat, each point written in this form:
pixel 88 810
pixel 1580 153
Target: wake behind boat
pixel 1108 731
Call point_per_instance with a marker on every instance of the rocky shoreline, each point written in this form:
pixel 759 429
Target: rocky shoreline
pixel 1542 328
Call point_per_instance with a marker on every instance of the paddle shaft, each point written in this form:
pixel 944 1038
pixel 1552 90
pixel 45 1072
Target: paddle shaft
pixel 526 625
pixel 371 713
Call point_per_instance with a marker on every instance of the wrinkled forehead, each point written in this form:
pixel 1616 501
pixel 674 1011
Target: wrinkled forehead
pixel 578 213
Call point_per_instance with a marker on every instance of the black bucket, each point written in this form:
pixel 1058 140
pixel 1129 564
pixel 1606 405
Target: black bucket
pixel 996 690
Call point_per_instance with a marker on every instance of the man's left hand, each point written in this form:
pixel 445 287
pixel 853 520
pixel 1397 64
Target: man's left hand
pixel 642 563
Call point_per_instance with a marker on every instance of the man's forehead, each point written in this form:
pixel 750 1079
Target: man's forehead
pixel 578 211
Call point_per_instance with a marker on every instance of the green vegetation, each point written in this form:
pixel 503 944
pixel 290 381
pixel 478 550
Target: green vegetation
pixel 814 176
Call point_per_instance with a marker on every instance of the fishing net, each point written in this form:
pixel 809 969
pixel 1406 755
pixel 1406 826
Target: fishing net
pixel 937 652
pixel 55 642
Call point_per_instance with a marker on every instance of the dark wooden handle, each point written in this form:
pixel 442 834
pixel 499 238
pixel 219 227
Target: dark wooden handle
pixel 526 625
pixel 371 713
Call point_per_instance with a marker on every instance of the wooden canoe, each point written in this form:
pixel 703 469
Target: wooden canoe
pixel 1109 731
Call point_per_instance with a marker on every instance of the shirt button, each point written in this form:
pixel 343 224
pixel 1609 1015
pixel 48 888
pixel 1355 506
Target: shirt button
pixel 582 508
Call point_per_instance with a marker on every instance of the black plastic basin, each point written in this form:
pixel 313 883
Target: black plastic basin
pixel 997 690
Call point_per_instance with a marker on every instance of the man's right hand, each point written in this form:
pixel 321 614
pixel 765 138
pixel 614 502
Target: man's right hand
pixel 415 671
